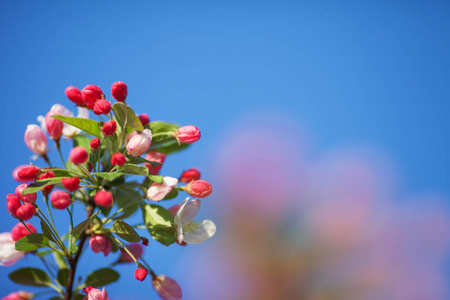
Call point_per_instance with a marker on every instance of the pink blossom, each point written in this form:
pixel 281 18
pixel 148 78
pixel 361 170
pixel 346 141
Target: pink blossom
pixel 95 294
pixel 157 191
pixel 35 139
pixel 167 288
pixel 100 243
pixel 8 253
pixel 140 143
pixel 19 295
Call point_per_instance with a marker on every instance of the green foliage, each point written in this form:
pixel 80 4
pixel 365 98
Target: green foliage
pixel 40 184
pixel 101 277
pixel 77 230
pixel 63 275
pixel 126 117
pixel 108 176
pixel 32 241
pixel 87 125
pixel 47 231
pixel 166 144
pixel 158 221
pixel 31 277
pixel 122 197
pixel 125 231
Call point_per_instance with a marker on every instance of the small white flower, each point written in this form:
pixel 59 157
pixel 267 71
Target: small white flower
pixel 8 253
pixel 189 231
pixel 68 131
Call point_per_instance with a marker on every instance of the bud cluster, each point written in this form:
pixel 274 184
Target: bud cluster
pixel 112 170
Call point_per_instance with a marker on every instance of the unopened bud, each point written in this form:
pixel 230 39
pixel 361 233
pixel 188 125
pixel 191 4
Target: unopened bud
pixel 104 199
pixel 78 155
pixel 35 139
pixel 118 159
pixel 189 175
pixel 119 91
pixel 60 199
pixel 94 145
pixel 19 231
pixel 28 198
pixel 26 211
pixel 90 94
pixel 156 157
pixel 71 184
pixel 140 273
pixel 140 143
pixel 109 128
pixel 12 203
pixel 15 173
pixel 100 243
pixel 144 119
pixel 187 134
pixel 74 94
pixel 47 189
pixel 102 106
pixel 167 288
pixel 198 188
pixel 29 173
pixel 54 126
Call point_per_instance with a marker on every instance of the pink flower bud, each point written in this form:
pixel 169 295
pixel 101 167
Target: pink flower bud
pixel 19 231
pixel 109 128
pixel 188 134
pixel 158 191
pixel 47 189
pixel 29 173
pixel 119 91
pixel 74 94
pixel 135 249
pixel 8 253
pixel 28 198
pixel 60 199
pixel 144 119
pixel 71 184
pixel 15 173
pixel 118 159
pixel 78 155
pixel 95 294
pixel 26 211
pixel 167 288
pixel 140 143
pixel 91 93
pixel 140 273
pixel 20 295
pixel 100 243
pixel 156 157
pixel 189 175
pixel 54 126
pixel 12 203
pixel 94 145
pixel 104 199
pixel 89 167
pixel 35 139
pixel 102 106
pixel 198 188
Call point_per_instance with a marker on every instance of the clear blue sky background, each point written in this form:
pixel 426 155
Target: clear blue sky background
pixel 349 72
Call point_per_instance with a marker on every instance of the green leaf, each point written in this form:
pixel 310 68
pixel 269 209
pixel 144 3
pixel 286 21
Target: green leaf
pixel 60 261
pixel 173 194
pixel 43 253
pixel 32 241
pixel 82 140
pixel 31 276
pixel 162 127
pixel 74 249
pixel 168 146
pixel 158 221
pixel 83 226
pixel 63 275
pixel 102 277
pixel 108 176
pixel 156 178
pixel 57 298
pixel 87 125
pixel 125 231
pixel 40 184
pixel 122 197
pixel 47 231
pixel 59 172
pixel 125 116
pixel 139 160
pixel 133 170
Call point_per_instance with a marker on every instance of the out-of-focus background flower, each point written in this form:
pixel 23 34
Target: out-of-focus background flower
pixel 325 134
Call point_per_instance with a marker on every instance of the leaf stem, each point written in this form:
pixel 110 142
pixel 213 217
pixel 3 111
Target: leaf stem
pixel 122 209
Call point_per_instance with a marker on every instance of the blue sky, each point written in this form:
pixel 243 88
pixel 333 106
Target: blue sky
pixel 350 73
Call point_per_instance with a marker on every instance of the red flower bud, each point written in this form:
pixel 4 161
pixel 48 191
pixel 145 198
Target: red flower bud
pixel 28 198
pixel 104 199
pixel 26 211
pixel 15 173
pixel 71 184
pixel 198 188
pixel 144 241
pixel 95 144
pixel 140 273
pixel 78 155
pixel 118 159
pixel 47 189
pixel 54 126
pixel 12 203
pixel 109 128
pixel 91 93
pixel 60 199
pixel 74 94
pixel 189 175
pixel 100 243
pixel 119 91
pixel 167 288
pixel 102 106
pixel 90 167
pixel 29 173
pixel 144 119
pixel 156 157
pixel 188 134
pixel 19 231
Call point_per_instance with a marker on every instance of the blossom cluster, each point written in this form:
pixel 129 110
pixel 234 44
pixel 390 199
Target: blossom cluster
pixel 113 169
